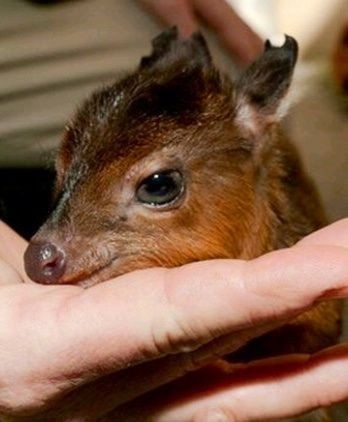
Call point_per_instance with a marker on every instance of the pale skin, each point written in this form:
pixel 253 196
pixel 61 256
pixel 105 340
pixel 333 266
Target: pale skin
pixel 69 353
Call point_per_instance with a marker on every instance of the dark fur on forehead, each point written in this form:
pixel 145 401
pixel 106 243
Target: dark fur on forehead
pixel 177 76
pixel 176 82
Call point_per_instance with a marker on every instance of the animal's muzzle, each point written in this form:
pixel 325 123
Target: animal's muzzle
pixel 44 262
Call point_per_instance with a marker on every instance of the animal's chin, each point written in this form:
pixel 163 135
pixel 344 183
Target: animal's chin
pixel 91 281
pixel 94 276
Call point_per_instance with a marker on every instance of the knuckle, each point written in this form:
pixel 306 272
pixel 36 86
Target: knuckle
pixel 174 333
pixel 271 295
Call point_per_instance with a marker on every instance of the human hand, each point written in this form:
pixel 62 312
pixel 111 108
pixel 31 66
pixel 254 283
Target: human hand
pixel 73 354
pixel 241 41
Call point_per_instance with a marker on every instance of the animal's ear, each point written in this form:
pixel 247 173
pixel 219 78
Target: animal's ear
pixel 262 87
pixel 168 50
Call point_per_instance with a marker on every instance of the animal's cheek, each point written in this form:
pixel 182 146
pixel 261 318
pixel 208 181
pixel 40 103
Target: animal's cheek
pixel 91 256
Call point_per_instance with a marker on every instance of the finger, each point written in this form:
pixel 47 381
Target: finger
pixel 270 389
pixel 244 44
pixel 109 392
pixel 153 313
pixel 12 248
pixel 173 12
pixel 336 234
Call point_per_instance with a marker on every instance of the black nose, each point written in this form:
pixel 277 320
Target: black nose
pixel 44 262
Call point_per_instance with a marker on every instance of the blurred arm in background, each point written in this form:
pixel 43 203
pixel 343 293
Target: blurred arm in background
pixel 239 39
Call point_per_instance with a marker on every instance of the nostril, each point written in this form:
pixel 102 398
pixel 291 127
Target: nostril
pixel 50 257
pixel 44 262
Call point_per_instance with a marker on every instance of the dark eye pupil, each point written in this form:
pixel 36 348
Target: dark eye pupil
pixel 160 188
pixel 160 185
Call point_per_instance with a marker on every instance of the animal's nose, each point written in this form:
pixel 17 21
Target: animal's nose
pixel 44 262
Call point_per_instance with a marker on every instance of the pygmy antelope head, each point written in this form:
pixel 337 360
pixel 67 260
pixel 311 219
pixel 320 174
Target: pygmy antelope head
pixel 171 164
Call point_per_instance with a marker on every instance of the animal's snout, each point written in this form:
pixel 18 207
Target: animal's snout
pixel 44 262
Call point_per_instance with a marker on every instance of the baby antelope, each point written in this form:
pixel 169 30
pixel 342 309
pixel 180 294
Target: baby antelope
pixel 176 163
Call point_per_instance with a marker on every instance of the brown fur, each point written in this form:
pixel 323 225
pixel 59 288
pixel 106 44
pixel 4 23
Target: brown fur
pixel 246 191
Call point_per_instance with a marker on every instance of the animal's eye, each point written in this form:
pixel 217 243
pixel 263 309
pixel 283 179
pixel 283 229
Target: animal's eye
pixel 161 188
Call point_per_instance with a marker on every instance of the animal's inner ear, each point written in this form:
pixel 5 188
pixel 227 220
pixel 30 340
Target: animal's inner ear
pixel 169 49
pixel 261 88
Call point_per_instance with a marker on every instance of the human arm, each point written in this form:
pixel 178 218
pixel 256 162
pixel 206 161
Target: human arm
pixel 239 39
